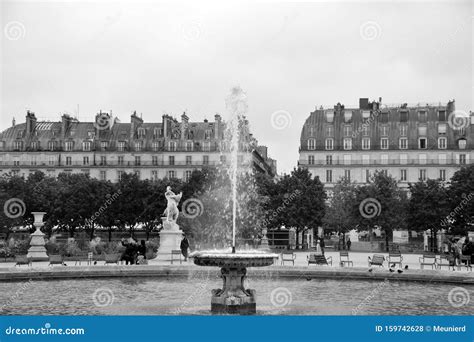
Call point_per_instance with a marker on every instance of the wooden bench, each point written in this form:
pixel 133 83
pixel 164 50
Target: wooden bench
pixel 112 258
pixel 319 259
pixel 288 256
pixel 428 260
pixel 174 253
pixel 22 260
pixel 56 259
pixel 376 260
pixel 445 260
pixel 395 259
pixel 344 259
pixel 88 258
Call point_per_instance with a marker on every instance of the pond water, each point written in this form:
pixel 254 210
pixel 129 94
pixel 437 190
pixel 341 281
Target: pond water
pixel 191 296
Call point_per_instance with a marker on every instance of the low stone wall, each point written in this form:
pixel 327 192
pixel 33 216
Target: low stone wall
pixel 367 246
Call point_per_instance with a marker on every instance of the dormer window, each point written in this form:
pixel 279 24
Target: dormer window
pixel 422 116
pixel 86 146
pixel 19 134
pixel 311 144
pixel 329 144
pixel 207 134
pixel 384 131
pixel 347 116
pixel 141 132
pixel 365 114
pixel 121 146
pixel 404 116
pixel 329 131
pixel 104 145
pixel 206 146
pixel 155 146
pixel 384 117
pixel 91 134
pixel 189 146
pixel 68 145
pixel 34 145
pixel 138 146
pixel 347 130
pixel 18 145
pixel 365 130
pixel 52 145
pixel 329 117
pixel 156 133
pixel 442 115
pixel 171 146
pixel 442 128
pixel 403 130
pixel 462 144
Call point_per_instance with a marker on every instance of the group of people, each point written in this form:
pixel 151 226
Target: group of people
pixel 455 250
pixel 134 253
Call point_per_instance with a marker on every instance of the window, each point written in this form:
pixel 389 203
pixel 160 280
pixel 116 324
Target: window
pixel 68 145
pixel 207 134
pixel 442 128
pixel 34 145
pixel 365 159
pixel 138 160
pixel 121 146
pixel 141 132
pixel 422 131
pixel 187 175
pixel 347 130
pixel 137 173
pixel 347 143
pixel 120 175
pixel 2 145
pixel 403 116
pixel 52 160
pixel 68 161
pixel 207 146
pixel 104 145
pixel 403 159
pixel 189 146
pixel 403 143
pixel 384 143
pixel 347 159
pixel 384 117
pixel 366 143
pixel 329 131
pixel 189 160
pixel 33 160
pixel 86 145
pixel 403 175
pixel 365 130
pixel 154 175
pixel 384 159
pixel 422 175
pixel 422 159
pixel 171 174
pixel 155 146
pixel 329 144
pixel 347 175
pixel 154 160
pixel 103 175
pixel 462 159
pixel 367 176
pixel 311 160
pixel 403 130
pixel 462 144
pixel 365 114
pixel 16 163
pixel 442 115
pixel 138 146
pixel 120 160
pixel 442 159
pixel 347 116
pixel 103 160
pixel 311 144
pixel 171 146
pixel 384 131
pixel 442 175
pixel 205 160
pixel 18 145
pixel 422 143
pixel 330 117
pixel 328 160
pixel 328 176
pixel 422 116
pixel 442 143
pixel 85 161
pixel 170 160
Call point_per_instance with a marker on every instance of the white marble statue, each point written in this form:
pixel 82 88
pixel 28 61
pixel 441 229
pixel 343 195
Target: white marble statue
pixel 172 211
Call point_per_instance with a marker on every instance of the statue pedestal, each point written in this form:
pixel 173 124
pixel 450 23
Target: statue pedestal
pixel 170 239
pixel 37 251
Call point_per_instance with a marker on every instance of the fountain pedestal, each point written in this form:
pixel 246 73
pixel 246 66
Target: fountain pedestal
pixel 170 238
pixel 37 251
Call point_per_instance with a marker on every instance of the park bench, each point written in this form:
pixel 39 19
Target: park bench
pixel 176 253
pixel 288 256
pixel 445 260
pixel 113 258
pixel 344 259
pixel 86 257
pixel 395 259
pixel 22 260
pixel 376 260
pixel 56 259
pixel 465 261
pixel 428 260
pixel 319 259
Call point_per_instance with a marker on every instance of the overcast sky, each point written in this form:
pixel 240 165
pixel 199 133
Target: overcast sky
pixel 289 57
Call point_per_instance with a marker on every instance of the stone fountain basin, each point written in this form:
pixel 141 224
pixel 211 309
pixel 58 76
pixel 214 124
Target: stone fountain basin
pixel 233 260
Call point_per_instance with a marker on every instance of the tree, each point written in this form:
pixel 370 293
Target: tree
pixel 461 206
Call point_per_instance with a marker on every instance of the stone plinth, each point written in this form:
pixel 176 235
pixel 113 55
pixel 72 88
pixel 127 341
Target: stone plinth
pixel 170 239
pixel 37 251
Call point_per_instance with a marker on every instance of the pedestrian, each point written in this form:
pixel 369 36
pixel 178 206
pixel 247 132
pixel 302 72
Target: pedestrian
pixel 348 244
pixel 184 247
pixel 468 248
pixel 321 244
pixel 142 248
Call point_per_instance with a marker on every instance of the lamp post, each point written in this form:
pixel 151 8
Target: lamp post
pixel 37 251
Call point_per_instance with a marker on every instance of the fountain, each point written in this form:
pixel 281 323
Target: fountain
pixel 37 251
pixel 234 297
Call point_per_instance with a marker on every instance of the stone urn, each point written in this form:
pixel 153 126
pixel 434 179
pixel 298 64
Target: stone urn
pixel 37 251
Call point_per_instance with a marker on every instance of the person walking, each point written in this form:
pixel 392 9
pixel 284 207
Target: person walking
pixel 321 244
pixel 184 247
pixel 348 243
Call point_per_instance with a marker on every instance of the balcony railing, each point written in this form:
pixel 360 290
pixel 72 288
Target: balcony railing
pixel 359 162
pixel 109 164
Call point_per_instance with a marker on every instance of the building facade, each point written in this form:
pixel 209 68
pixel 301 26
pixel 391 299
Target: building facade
pixel 410 143
pixel 106 149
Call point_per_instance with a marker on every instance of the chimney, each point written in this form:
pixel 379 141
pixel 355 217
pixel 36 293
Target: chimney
pixel 184 125
pixel 217 124
pixel 65 124
pixel 30 122
pixel 451 107
pixel 380 102
pixel 166 128
pixel 135 123
pixel 13 122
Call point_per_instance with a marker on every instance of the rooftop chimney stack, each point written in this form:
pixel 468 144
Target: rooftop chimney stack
pixel 30 122
pixel 135 123
pixel 184 125
pixel 217 124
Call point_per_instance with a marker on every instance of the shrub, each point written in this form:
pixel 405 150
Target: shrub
pixel 21 247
